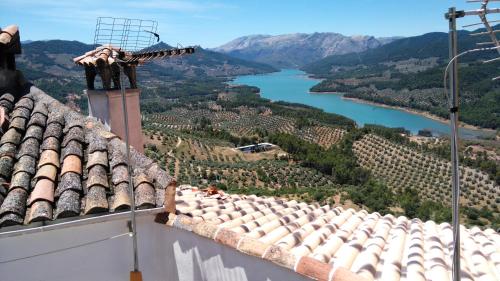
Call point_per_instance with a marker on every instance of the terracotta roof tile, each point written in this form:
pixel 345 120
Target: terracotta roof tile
pixel 72 147
pixel 8 149
pixel 40 108
pixel 26 164
pixel 71 163
pixel 29 147
pixel 55 119
pixel 97 144
pixel 51 143
pixel 117 154
pixel 12 136
pixel 10 219
pixel 68 204
pixel 96 201
pixel 141 178
pixel 73 134
pixel 313 268
pixel 44 190
pixel 40 211
pixel 145 195
pixel 15 202
pixel 7 102
pixel 71 176
pixel 69 181
pixel 49 157
pixel 121 198
pixel 25 102
pixel 47 172
pixel 159 196
pixel 6 166
pixel 74 125
pixel 53 130
pixel 98 55
pixel 119 174
pixel 9 33
pixel 21 180
pixel 328 243
pixel 18 123
pixel 97 176
pixel 21 112
pixel 98 158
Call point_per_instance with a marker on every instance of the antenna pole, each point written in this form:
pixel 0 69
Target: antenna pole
pixel 455 183
pixel 136 274
pixel 134 38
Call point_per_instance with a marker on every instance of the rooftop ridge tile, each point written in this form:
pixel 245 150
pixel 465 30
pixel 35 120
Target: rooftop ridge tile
pixel 326 243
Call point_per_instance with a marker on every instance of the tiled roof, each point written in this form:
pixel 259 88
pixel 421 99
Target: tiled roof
pixel 104 53
pixel 56 163
pixel 7 34
pixel 328 243
pixel 107 53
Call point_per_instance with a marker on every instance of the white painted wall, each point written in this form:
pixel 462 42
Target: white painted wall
pixel 164 253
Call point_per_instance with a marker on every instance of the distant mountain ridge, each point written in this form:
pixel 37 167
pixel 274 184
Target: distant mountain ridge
pixel 298 49
pixel 428 45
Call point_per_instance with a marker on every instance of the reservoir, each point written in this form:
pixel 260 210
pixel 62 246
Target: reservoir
pixel 293 85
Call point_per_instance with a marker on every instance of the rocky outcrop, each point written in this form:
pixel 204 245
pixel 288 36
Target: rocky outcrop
pixel 298 49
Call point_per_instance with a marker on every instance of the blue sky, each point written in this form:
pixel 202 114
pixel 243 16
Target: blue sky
pixel 212 23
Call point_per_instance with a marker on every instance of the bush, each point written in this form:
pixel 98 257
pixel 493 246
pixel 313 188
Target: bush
pixel 374 195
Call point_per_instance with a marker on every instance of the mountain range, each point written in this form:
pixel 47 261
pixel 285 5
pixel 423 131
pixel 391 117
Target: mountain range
pixel 429 45
pixel 298 49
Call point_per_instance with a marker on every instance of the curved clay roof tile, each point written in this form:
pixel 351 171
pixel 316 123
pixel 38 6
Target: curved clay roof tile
pixel 44 190
pixel 7 34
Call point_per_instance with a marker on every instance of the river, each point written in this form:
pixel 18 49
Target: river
pixel 293 85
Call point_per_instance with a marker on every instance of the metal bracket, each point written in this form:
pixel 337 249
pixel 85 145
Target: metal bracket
pixel 457 14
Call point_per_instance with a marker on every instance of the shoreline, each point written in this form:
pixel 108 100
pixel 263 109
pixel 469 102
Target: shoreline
pixel 413 111
pixel 424 114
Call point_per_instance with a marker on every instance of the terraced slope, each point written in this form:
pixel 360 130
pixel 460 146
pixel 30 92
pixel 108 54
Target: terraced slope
pixel 246 123
pixel 401 167
pixel 325 136
pixel 201 161
pixel 263 173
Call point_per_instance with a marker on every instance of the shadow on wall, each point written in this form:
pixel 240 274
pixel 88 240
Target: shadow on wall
pixel 187 256
pixel 165 254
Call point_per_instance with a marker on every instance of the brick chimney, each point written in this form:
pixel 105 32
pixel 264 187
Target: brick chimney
pixel 106 104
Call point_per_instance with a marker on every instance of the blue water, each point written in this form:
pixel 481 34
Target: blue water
pixel 293 85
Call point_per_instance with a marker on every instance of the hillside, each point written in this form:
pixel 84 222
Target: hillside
pixel 298 49
pixel 54 57
pixel 321 157
pixel 49 65
pixel 429 45
pixel 409 73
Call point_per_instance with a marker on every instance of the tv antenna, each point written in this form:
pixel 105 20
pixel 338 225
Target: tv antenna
pixel 490 45
pixel 122 44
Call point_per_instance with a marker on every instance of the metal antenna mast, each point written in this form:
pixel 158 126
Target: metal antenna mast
pixel 452 67
pixel 127 34
pixel 127 43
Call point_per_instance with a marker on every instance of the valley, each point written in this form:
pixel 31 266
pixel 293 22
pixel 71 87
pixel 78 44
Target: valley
pixel 321 157
pixel 197 110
